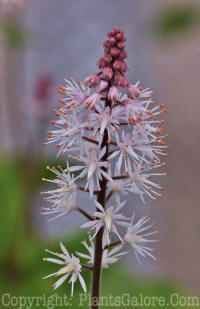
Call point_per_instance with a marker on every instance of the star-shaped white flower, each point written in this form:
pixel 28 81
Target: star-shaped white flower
pixel 69 132
pixel 109 219
pixel 71 267
pixel 109 257
pixel 141 183
pixel 105 119
pixel 62 199
pixel 93 168
pixel 139 236
pixel 76 94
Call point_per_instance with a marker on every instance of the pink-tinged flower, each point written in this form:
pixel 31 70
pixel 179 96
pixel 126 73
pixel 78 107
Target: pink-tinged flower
pixel 76 94
pixel 139 236
pixel 132 92
pixel 109 219
pixel 92 81
pixel 134 110
pixel 93 169
pixel 92 100
pixel 113 94
pixel 71 267
pixel 107 73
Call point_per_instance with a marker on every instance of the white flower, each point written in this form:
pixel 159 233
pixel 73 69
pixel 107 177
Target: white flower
pixel 108 219
pixel 104 119
pixel 139 237
pixel 92 168
pixel 109 256
pixel 76 94
pixel 62 199
pixel 72 267
pixel 136 147
pixel 118 186
pixel 70 131
pixel 141 182
pixel 125 153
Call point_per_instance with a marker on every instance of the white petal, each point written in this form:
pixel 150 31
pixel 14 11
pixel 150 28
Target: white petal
pixel 60 281
pixel 82 282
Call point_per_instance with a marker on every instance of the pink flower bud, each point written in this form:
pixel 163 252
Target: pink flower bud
pixel 113 94
pixel 92 100
pixel 123 54
pixel 112 40
pixel 132 92
pixel 117 65
pixel 92 81
pixel 123 81
pixel 114 51
pixel 121 45
pixel 107 73
pixel 101 63
pixel 102 86
pixel 107 58
pixel 124 66
pixel 107 44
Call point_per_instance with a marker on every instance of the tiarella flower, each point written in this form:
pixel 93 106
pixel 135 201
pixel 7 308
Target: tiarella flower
pixel 139 236
pixel 125 153
pixel 93 169
pixel 104 119
pixel 76 94
pixel 71 267
pixel 147 146
pixel 109 219
pixel 136 147
pixel 62 199
pixel 110 256
pixel 141 182
pixel 69 133
pixel 92 100
pixel 133 110
pixel 119 186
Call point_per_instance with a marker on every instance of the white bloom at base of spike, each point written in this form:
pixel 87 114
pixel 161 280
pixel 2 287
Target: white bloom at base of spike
pixel 71 267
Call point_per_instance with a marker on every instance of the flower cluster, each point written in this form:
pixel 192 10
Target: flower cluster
pixel 112 130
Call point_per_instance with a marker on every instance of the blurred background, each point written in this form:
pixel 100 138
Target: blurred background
pixel 43 42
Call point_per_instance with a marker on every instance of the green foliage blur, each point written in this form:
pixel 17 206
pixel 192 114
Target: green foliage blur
pixel 175 19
